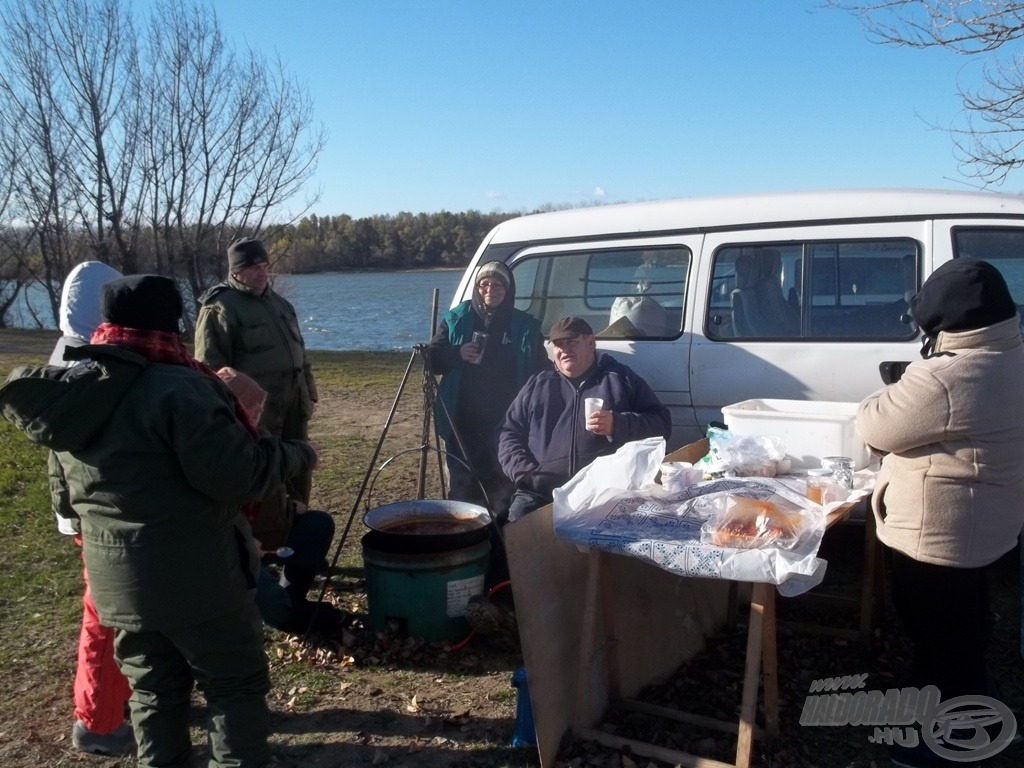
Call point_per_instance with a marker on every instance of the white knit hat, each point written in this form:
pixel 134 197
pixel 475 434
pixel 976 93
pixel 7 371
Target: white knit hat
pixel 496 270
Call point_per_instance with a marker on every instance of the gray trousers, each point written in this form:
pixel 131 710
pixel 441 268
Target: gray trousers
pixel 226 660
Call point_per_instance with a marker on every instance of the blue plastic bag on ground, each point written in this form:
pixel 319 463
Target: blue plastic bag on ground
pixel 524 734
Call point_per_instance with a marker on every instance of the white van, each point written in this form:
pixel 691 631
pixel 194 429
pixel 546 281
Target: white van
pixel 721 299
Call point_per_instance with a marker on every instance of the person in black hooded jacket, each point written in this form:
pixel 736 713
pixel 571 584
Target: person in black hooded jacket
pixel 480 380
pixel 157 457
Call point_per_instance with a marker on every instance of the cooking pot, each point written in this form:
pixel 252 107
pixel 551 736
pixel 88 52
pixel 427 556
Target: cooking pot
pixel 425 525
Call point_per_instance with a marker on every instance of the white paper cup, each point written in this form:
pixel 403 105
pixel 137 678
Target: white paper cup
pixel 591 405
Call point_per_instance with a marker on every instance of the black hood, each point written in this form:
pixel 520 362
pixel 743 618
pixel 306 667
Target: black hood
pixel 64 408
pixel 961 295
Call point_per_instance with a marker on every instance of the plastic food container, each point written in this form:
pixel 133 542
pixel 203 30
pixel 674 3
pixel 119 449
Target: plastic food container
pixel 810 429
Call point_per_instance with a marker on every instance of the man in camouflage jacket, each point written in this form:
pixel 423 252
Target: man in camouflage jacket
pixel 244 324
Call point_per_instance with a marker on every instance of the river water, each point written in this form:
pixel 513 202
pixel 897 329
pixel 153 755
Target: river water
pixel 378 311
pixel 368 311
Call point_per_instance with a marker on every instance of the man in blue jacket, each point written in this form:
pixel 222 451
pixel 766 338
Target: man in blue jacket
pixel 547 437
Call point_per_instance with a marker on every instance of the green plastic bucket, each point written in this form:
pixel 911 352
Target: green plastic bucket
pixel 423 594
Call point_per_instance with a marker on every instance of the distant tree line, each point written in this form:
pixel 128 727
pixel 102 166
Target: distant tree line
pixel 402 241
pixel 330 244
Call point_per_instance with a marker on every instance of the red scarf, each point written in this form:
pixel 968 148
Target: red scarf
pixel 164 347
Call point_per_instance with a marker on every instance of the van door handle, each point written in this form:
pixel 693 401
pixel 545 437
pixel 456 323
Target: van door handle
pixel 892 370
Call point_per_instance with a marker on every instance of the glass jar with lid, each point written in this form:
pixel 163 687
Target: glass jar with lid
pixel 841 468
pixel 818 482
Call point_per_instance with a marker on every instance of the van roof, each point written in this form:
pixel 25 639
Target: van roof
pixel 779 209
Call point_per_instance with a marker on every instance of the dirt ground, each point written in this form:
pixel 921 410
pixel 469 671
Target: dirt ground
pixel 389 700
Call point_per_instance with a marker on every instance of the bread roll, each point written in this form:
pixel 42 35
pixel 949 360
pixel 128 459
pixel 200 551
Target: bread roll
pixel 753 524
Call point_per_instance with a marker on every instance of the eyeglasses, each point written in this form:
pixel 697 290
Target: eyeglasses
pixel 487 285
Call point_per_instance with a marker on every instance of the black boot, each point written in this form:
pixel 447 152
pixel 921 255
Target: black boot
pixel 305 616
pixel 297 582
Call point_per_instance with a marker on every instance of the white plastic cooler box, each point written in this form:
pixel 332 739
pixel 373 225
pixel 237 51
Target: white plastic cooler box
pixel 809 429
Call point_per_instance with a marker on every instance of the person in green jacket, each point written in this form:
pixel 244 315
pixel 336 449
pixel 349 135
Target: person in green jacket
pixel 158 456
pixel 243 323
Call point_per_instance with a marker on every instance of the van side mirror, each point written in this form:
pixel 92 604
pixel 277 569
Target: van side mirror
pixel 892 370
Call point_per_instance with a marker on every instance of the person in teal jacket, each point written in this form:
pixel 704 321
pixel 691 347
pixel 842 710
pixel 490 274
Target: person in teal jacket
pixel 157 457
pixel 479 379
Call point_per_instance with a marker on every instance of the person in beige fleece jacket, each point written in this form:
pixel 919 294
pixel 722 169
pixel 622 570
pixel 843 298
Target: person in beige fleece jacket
pixel 949 499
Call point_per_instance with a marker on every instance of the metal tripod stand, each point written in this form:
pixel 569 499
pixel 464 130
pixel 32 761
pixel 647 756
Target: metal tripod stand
pixel 420 351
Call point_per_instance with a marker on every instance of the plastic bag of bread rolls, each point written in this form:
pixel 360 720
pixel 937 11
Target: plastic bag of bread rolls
pixel 743 523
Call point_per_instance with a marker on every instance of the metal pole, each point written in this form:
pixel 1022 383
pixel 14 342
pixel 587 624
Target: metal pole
pixel 421 482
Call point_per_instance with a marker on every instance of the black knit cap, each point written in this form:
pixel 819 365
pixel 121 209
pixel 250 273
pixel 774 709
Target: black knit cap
pixel 245 253
pixel 143 302
pixel 962 295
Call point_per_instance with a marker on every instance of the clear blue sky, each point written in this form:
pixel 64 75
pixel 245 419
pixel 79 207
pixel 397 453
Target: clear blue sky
pixel 506 105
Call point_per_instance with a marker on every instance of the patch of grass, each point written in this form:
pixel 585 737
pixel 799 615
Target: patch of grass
pixel 40 567
pixel 361 371
pixel 297 679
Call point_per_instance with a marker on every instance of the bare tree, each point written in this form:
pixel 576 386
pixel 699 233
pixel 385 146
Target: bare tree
pixel 230 141
pixel 149 151
pixel 189 62
pixel 94 48
pixel 990 142
pixel 11 282
pixel 38 144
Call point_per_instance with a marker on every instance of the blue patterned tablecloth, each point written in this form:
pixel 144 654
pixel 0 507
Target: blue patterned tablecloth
pixel 665 529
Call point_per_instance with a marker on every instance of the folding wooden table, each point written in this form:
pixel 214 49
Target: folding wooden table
pixel 760 667
pixel 579 611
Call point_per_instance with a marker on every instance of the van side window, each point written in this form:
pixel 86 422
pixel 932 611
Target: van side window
pixel 635 293
pixel 816 290
pixel 1002 247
